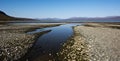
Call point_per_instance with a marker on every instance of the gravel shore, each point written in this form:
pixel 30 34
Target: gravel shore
pixel 14 42
pixel 75 49
pixel 93 42
pixel 14 45
pixel 103 41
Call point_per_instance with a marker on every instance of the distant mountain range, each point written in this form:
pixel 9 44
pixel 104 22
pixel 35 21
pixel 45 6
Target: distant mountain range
pixel 5 17
pixel 96 19
pixel 85 19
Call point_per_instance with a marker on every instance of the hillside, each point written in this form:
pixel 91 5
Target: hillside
pixel 5 17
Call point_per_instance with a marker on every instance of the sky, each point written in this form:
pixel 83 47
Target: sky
pixel 60 8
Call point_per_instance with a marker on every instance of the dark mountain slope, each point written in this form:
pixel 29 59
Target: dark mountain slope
pixel 5 17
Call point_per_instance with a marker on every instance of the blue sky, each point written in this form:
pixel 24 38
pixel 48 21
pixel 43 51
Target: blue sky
pixel 60 8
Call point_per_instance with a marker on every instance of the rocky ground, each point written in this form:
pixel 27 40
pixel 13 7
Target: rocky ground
pixel 14 42
pixel 75 49
pixel 93 42
pixel 14 45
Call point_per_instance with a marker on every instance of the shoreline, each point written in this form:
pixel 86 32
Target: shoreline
pixel 15 42
pixel 29 49
pixel 103 41
pixel 74 49
pixel 91 42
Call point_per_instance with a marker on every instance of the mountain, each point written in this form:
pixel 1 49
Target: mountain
pixel 5 17
pixel 95 19
pixel 51 20
pixel 84 19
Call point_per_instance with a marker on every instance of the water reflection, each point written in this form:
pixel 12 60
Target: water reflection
pixel 49 44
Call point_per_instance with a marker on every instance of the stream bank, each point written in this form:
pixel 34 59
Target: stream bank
pixel 75 49
pixel 48 45
pixel 14 42
pixel 93 42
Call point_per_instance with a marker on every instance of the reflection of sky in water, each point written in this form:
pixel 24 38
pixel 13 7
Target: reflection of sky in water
pixel 51 41
pixel 25 23
pixel 54 39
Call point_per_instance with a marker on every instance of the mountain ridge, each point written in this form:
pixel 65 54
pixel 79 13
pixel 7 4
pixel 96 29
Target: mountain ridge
pixel 5 17
pixel 84 19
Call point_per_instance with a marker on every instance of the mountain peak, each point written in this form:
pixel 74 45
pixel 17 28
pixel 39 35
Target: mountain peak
pixel 4 16
pixel 1 12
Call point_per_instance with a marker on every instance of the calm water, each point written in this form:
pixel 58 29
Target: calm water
pixel 49 44
pixel 31 23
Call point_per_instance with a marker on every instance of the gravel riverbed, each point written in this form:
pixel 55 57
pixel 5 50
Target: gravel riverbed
pixel 75 49
pixel 14 42
pixel 103 41
pixel 93 42
pixel 14 45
